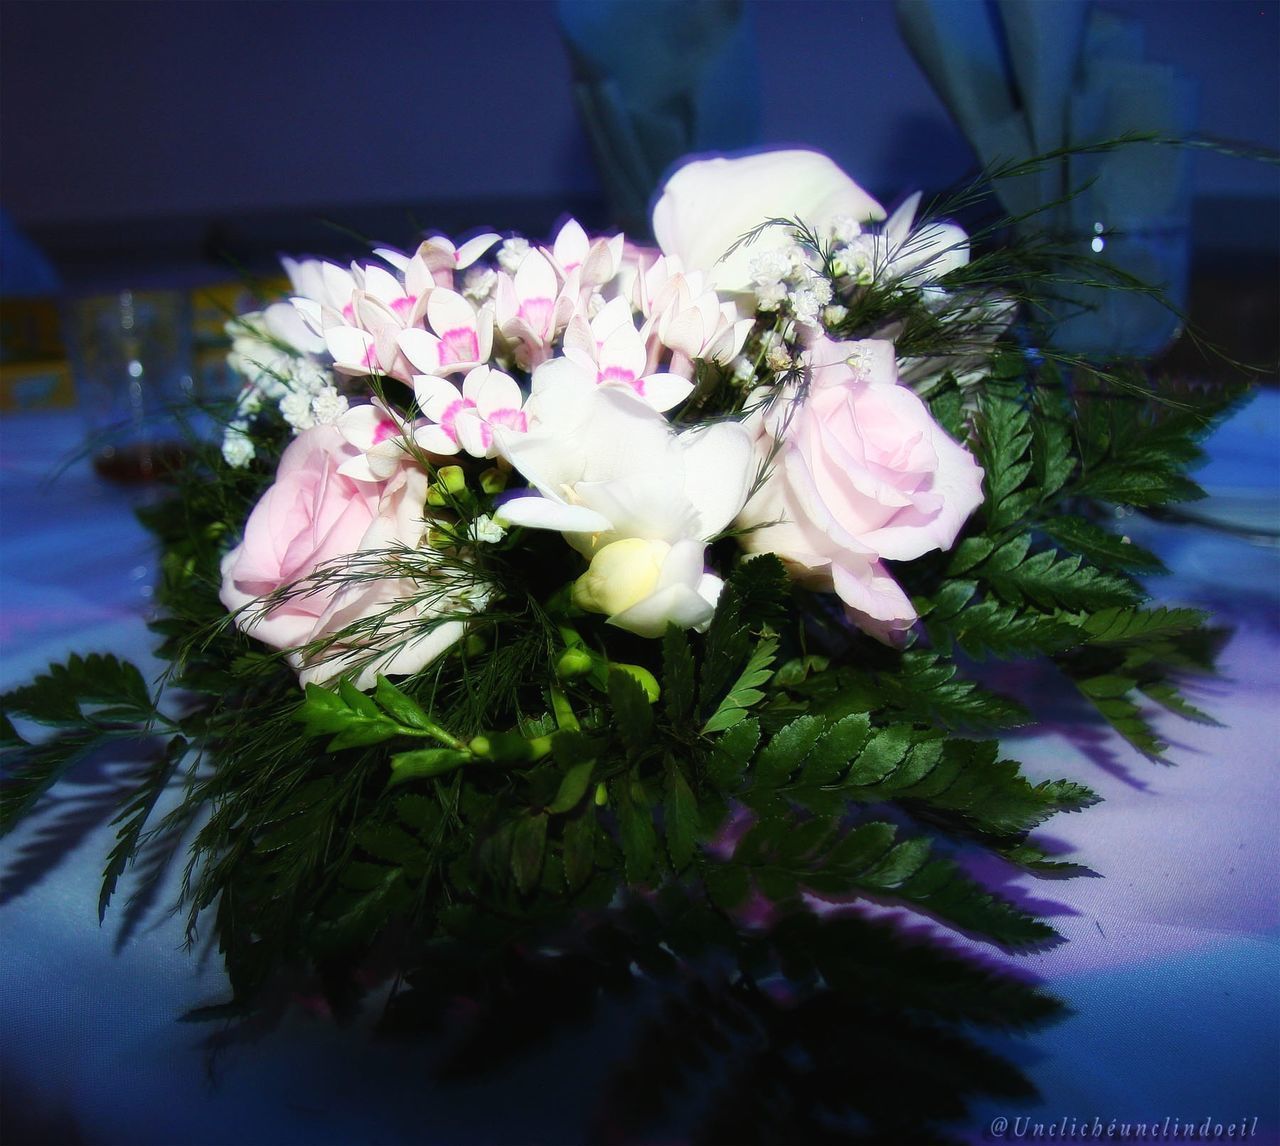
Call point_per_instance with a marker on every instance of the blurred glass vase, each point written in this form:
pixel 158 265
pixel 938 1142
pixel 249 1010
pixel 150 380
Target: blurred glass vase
pixel 131 357
pixel 1125 291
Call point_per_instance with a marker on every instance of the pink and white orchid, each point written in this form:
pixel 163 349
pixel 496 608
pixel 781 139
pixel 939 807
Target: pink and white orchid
pixel 532 306
pixel 610 351
pixel 380 434
pixel 464 418
pixel 596 261
pixel 684 315
pixel 438 259
pixel 460 337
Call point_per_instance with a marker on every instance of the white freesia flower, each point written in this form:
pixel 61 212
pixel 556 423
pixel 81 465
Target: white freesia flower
pixel 608 469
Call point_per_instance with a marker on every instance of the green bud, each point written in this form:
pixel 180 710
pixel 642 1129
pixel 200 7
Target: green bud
pixel 572 663
pixel 509 747
pixel 602 795
pixel 425 763
pixel 644 678
pixel 435 497
pixel 493 480
pixel 452 478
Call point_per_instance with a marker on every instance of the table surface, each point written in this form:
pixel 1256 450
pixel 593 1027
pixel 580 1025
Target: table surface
pixel 1170 965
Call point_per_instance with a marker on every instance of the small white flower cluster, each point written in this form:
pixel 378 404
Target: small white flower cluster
pixel 300 387
pixel 785 279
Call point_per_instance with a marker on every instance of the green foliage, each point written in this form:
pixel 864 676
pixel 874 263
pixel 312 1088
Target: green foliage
pixel 133 818
pixel 91 702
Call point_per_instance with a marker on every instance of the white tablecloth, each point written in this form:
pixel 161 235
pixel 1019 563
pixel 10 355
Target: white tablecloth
pixel 1170 963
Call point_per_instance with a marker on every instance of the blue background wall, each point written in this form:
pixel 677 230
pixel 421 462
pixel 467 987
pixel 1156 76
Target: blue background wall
pixel 127 110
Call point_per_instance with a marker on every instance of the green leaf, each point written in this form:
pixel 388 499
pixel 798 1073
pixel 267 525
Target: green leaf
pixel 1110 695
pixel 527 849
pixel 34 768
pixel 969 553
pixel 357 701
pixel 419 812
pixel 9 737
pixel 862 847
pixel 1121 626
pixel 95 689
pixel 635 827
pixel 882 753
pixel 732 753
pixel 837 746
pixel 134 815
pixel 680 817
pixel 632 711
pixel 1053 580
pixel 745 691
pixel 786 751
pixel 1100 546
pixel 899 864
pixel 727 884
pixel 390 843
pixel 1166 694
pixel 1052 458
pixel 406 710
pixel 579 847
pixel 1003 630
pixel 1141 486
pixel 677 676
pixel 356 719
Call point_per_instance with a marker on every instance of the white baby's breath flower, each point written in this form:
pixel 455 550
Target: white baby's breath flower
pixel 805 306
pixel 478 283
pixel 777 358
pixel 798 267
pixel 770 267
pixel 485 529
pixel 309 377
pixel 834 314
pixel 770 296
pixel 857 261
pixel 818 286
pixel 327 406
pixel 237 446
pixel 844 228
pixel 744 371
pixel 511 254
pixel 249 401
pixel 295 408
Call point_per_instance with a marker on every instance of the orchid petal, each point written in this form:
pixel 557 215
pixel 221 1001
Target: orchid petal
pixel 663 391
pixel 546 513
pixel 434 395
pixel 717 473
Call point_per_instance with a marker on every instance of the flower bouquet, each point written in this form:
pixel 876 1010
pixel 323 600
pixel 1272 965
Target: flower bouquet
pixel 551 618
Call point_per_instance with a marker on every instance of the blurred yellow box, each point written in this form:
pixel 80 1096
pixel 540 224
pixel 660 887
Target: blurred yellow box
pixel 43 385
pixel 30 330
pixel 212 307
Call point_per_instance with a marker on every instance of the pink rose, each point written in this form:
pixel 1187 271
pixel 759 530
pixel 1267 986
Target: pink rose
pixel 863 474
pixel 404 623
pixel 311 514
